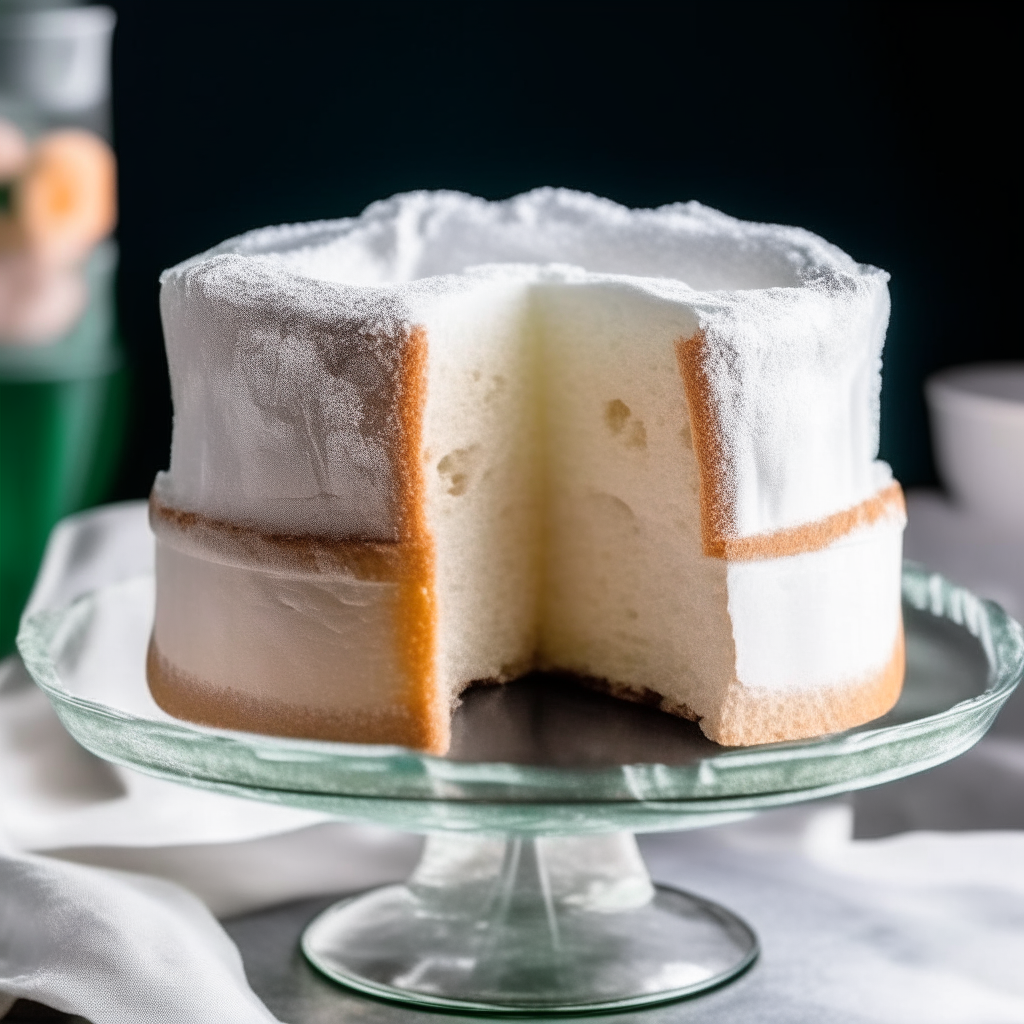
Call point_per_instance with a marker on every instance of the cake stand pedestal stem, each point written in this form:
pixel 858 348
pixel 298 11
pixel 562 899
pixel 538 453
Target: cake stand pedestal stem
pixel 544 925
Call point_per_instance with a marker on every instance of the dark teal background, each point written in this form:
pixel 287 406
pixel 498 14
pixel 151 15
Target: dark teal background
pixel 889 129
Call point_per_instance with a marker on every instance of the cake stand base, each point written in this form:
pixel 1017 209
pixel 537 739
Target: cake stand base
pixel 543 926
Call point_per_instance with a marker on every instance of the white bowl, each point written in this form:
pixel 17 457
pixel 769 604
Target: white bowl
pixel 977 417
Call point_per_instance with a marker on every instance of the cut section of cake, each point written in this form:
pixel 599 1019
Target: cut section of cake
pixel 451 441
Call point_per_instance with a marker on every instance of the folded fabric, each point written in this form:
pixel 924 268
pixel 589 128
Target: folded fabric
pixel 116 948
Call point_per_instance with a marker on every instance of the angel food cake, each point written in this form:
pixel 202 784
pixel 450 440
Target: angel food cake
pixel 451 441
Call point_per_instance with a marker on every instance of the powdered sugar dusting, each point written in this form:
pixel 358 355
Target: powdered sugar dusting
pixel 285 344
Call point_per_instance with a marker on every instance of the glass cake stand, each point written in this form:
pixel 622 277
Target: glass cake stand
pixel 531 897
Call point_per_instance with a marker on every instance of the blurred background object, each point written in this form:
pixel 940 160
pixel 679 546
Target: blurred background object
pixel 61 376
pixel 977 415
pixel 55 62
pixel 975 532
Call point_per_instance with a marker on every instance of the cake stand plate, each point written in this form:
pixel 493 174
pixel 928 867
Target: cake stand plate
pixel 531 896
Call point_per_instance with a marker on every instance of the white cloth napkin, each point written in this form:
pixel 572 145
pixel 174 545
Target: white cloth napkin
pixel 113 946
pixel 917 927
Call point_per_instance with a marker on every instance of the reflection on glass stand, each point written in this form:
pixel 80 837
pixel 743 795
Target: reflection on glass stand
pixel 531 896
pixel 525 923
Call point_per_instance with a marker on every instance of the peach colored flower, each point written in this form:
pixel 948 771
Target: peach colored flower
pixel 66 201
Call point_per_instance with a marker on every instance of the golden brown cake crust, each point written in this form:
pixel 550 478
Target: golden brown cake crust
pixel 421 718
pixel 758 716
pixel 183 695
pixel 417 601
pixel 234 544
pixel 717 515
pixel 798 540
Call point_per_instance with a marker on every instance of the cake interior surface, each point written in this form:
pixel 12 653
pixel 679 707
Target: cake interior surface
pixel 450 442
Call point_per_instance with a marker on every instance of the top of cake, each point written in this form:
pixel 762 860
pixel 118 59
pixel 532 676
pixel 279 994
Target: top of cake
pixel 285 338
pixel 431 234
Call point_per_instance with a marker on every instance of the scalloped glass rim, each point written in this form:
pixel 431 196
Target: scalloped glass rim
pixel 404 788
